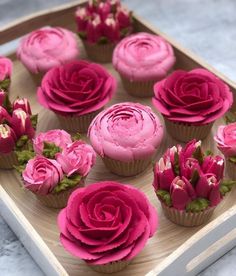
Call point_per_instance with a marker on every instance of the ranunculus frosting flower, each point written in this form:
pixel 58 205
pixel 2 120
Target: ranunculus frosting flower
pixel 143 56
pixel 107 222
pixel 41 175
pixel 5 68
pixel 196 97
pixel 47 47
pixel 126 132
pixel 76 88
pixel 226 140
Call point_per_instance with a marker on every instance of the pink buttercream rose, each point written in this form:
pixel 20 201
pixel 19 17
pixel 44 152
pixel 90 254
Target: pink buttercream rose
pixel 196 97
pixel 107 222
pixel 5 68
pixel 76 88
pixel 143 56
pixel 77 157
pixel 47 47
pixel 226 139
pixel 56 136
pixel 126 132
pixel 41 175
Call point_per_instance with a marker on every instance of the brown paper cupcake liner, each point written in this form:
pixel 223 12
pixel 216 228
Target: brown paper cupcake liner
pixel 140 89
pixel 110 267
pixel 231 169
pixel 99 52
pixel 74 124
pixel 126 168
pixel 8 160
pixel 185 132
pixel 188 219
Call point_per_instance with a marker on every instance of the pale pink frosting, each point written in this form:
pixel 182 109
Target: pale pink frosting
pixel 47 47
pixel 143 57
pixel 5 68
pixel 126 132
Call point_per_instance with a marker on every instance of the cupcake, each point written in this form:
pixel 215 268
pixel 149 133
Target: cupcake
pixel 57 166
pixel 46 48
pixel 190 102
pixel 126 136
pixel 189 184
pixel 101 24
pixel 17 128
pixel 107 224
pixel 5 73
pixel 76 92
pixel 142 59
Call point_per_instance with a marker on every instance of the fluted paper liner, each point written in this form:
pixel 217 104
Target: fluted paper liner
pixel 74 124
pixel 186 132
pixel 110 267
pixel 181 217
pixel 140 89
pixel 8 160
pixel 99 52
pixel 126 168
pixel 231 169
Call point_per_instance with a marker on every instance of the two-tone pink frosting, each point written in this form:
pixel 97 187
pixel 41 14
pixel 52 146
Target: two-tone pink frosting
pixel 126 132
pixel 47 47
pixel 143 56
pixel 5 68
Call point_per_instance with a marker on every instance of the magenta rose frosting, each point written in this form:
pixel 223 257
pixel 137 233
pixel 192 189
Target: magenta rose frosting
pixel 143 56
pixel 126 132
pixel 77 157
pixel 106 222
pixel 58 137
pixel 196 97
pixel 226 140
pixel 41 175
pixel 5 68
pixel 76 88
pixel 47 47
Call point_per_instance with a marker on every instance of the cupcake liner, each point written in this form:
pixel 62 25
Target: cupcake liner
pixel 186 132
pixel 231 169
pixel 99 52
pixel 140 89
pixel 110 267
pixel 188 219
pixel 74 124
pixel 126 168
pixel 8 160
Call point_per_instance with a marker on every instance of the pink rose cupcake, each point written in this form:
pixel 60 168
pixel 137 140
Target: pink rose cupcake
pixel 5 73
pixel 76 92
pixel 142 59
pixel 57 166
pixel 126 136
pixel 101 24
pixel 189 184
pixel 107 224
pixel 46 48
pixel 190 102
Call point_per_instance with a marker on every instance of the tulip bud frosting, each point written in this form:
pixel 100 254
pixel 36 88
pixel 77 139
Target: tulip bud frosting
pixel 186 178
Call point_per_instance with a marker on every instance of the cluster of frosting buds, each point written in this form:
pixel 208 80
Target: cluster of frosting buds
pixel 103 21
pixel 5 72
pixel 189 179
pixel 56 162
pixel 17 124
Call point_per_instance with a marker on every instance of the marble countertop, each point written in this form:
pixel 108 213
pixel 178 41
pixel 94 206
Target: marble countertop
pixel 205 27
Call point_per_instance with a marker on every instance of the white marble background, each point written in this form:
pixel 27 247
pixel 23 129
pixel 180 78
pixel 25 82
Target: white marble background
pixel 207 27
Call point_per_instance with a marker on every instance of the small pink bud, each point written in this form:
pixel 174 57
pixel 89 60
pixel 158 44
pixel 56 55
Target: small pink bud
pixel 7 139
pixel 22 104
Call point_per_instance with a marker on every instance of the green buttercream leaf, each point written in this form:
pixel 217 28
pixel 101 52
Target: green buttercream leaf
pixel 50 150
pixel 34 120
pixel 21 142
pixel 103 40
pixel 198 155
pixel 164 196
pixel 20 168
pixel 230 117
pixel 194 177
pixel 7 104
pixel 176 164
pixel 5 84
pixel 82 35
pixel 197 205
pixel 24 156
pixel 76 136
pixel 232 159
pixel 226 186
pixel 208 153
pixel 67 183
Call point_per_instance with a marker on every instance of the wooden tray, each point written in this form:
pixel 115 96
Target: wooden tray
pixel 174 250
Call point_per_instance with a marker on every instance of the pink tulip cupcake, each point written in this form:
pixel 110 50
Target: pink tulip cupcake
pixel 57 166
pixel 107 224
pixel 142 59
pixel 17 128
pixel 46 48
pixel 189 184
pixel 101 24
pixel 76 92
pixel 126 136
pixel 190 102
pixel 5 73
